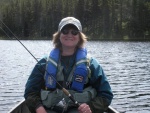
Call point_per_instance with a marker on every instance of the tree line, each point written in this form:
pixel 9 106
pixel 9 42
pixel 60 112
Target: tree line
pixel 101 19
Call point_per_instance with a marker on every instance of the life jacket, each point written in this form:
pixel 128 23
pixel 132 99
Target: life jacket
pixel 79 72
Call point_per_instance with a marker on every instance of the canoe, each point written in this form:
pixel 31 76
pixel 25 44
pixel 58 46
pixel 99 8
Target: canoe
pixel 22 108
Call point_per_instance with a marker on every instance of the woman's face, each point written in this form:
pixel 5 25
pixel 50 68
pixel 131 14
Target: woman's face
pixel 69 37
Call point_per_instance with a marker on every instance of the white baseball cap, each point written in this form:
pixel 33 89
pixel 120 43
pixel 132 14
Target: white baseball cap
pixel 70 20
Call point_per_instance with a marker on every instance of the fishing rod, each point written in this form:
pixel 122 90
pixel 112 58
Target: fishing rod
pixel 66 92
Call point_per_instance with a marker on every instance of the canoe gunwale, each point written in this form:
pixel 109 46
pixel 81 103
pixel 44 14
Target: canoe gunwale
pixel 22 108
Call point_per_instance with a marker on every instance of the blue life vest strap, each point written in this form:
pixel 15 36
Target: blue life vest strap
pixel 81 71
pixel 52 69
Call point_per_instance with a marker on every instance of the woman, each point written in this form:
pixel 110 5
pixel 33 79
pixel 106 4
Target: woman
pixel 68 66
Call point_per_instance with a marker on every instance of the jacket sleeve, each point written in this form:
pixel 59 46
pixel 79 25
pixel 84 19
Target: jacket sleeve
pixel 99 81
pixel 34 85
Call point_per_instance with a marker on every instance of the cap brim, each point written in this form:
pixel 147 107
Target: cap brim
pixel 68 24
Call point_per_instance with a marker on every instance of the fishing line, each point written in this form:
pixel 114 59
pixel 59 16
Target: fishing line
pixel 63 89
pixel 17 39
pixel 5 33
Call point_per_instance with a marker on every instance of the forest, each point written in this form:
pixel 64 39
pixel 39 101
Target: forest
pixel 101 19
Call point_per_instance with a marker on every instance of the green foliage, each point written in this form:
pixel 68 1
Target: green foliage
pixel 101 19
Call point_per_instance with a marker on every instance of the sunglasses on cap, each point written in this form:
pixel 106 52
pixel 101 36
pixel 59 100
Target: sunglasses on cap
pixel 66 31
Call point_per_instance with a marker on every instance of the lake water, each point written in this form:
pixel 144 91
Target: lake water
pixel 126 64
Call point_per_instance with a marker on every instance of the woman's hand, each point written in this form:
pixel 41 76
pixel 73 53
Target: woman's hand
pixel 84 108
pixel 41 109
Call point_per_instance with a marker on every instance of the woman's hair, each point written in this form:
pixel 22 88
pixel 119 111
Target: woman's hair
pixel 57 43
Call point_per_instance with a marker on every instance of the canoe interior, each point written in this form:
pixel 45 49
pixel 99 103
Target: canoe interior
pixel 22 108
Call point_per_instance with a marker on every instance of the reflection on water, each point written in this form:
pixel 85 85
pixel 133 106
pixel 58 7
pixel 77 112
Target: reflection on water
pixel 127 65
